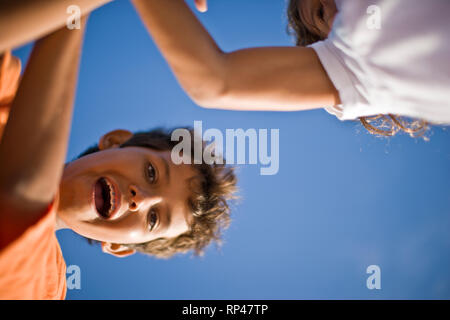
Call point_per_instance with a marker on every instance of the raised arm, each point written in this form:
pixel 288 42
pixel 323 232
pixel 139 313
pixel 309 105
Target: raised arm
pixel 33 147
pixel 271 78
pixel 22 21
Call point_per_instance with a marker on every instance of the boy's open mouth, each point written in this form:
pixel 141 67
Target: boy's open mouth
pixel 105 198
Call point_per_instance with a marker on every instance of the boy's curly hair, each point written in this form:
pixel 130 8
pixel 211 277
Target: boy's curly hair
pixel 383 125
pixel 209 206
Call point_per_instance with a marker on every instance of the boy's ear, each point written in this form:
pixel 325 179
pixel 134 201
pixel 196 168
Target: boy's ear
pixel 114 139
pixel 117 250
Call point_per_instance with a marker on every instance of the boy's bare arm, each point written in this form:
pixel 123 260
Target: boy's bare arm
pixel 272 78
pixel 22 21
pixel 33 147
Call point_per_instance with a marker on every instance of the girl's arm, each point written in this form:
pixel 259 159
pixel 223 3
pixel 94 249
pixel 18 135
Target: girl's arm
pixel 22 21
pixel 34 143
pixel 272 78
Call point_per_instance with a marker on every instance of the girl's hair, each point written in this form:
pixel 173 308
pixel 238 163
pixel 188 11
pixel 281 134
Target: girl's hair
pixel 383 125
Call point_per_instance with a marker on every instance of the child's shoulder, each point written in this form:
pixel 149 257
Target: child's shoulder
pixel 33 255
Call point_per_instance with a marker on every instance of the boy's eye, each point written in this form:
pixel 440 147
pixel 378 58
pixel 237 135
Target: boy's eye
pixel 151 173
pixel 152 219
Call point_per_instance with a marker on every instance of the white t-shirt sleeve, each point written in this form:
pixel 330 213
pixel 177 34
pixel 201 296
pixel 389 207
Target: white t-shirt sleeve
pixel 397 64
pixel 342 79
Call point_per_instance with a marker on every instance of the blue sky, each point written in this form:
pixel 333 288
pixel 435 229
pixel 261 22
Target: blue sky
pixel 341 201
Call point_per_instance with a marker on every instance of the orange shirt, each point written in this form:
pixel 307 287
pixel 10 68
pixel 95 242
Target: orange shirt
pixel 9 80
pixel 32 265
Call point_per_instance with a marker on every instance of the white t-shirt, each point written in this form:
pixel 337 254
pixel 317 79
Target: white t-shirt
pixel 402 67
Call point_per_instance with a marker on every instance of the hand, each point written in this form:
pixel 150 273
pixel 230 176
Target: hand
pixel 201 5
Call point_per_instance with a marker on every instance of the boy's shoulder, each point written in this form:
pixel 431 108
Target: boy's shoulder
pixel 32 266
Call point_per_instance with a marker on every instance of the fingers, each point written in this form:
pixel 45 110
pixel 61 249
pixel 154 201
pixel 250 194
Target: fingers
pixel 201 5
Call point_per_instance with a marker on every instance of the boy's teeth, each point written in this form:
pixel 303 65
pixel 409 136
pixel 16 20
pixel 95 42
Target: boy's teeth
pixel 112 199
pixel 113 204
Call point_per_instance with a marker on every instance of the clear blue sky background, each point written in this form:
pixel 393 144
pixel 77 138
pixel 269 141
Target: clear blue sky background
pixel 342 200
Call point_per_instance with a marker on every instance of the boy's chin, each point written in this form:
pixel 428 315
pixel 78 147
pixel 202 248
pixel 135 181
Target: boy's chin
pixel 74 215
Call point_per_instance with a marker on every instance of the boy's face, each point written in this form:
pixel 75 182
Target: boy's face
pixel 126 195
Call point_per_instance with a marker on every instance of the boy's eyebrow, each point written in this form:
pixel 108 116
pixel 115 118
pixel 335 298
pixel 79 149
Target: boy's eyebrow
pixel 166 169
pixel 168 216
pixel 168 208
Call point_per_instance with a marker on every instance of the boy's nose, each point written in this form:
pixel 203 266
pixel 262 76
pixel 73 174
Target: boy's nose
pixel 138 198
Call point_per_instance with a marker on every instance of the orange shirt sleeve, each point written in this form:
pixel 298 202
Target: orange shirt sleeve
pixel 10 68
pixel 32 266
